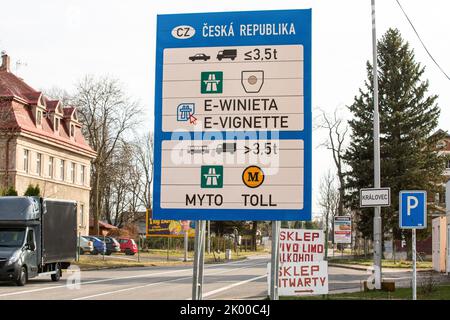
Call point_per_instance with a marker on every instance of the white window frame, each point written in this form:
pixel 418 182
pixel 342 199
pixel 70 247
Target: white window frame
pixel 50 166
pixel 83 172
pixel 73 170
pixel 62 168
pixel 39 163
pixel 26 160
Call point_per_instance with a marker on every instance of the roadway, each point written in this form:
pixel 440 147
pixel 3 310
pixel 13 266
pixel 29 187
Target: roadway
pixel 233 280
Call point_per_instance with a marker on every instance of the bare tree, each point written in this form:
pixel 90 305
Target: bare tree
pixel 144 164
pixel 58 94
pixel 118 197
pixel 107 115
pixel 337 131
pixel 329 201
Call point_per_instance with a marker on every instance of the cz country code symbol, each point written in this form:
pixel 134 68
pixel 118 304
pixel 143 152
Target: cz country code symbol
pixel 253 176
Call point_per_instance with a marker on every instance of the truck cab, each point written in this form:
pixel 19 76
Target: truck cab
pixel 18 256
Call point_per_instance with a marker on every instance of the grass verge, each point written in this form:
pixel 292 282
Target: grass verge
pixel 441 292
pixel 151 259
pixel 384 263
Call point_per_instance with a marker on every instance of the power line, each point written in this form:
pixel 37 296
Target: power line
pixel 420 39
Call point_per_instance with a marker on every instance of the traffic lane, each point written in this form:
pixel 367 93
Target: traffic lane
pixel 242 284
pixel 100 281
pixel 92 282
pixel 251 287
pixel 345 279
pixel 180 288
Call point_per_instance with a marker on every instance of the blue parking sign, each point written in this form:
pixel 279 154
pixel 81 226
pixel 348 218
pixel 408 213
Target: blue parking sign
pixel 413 209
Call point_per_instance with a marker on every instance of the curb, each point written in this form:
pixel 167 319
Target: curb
pixel 353 267
pixel 177 263
pixel 347 266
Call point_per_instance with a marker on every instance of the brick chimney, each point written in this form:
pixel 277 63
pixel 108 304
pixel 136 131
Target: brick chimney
pixel 5 62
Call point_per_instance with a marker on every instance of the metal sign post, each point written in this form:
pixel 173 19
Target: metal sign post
pixel 414 278
pixel 377 233
pixel 186 239
pixel 274 264
pixel 413 215
pixel 197 283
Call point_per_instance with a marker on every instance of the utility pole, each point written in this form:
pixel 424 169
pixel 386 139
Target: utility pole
pixel 274 264
pixel 377 230
pixel 209 236
pixel 186 244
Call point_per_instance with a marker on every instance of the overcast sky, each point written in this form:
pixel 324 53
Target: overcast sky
pixel 60 41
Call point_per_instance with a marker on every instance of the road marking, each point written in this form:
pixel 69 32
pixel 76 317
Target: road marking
pixel 128 289
pixel 216 266
pixel 161 282
pixel 210 293
pixel 90 282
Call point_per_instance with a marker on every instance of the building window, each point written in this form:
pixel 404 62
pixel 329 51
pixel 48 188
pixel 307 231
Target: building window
pixel 83 170
pixel 61 169
pixel 82 215
pixel 26 154
pixel 72 131
pixel 39 118
pixel 57 125
pixel 50 167
pixel 447 166
pixel 39 164
pixel 72 171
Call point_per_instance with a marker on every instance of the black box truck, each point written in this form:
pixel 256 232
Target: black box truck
pixel 227 54
pixel 38 237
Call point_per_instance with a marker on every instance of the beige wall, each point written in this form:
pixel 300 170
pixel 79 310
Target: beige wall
pixel 51 184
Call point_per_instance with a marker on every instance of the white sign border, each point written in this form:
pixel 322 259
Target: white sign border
pixel 374 189
pixel 400 209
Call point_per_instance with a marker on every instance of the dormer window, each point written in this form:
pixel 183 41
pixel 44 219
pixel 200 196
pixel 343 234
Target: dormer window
pixel 41 101
pixel 57 125
pixel 39 118
pixel 72 130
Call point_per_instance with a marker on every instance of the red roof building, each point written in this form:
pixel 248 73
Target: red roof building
pixel 41 142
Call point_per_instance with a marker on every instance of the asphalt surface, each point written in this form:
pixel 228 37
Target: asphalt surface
pixel 234 280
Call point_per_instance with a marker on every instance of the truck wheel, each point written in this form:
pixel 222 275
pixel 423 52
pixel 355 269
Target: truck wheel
pixel 94 252
pixel 81 251
pixel 23 277
pixel 57 275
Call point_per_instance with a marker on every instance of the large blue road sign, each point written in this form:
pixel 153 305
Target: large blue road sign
pixel 233 116
pixel 413 209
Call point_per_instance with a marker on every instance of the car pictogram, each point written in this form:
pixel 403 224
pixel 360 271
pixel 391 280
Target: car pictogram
pixel 199 56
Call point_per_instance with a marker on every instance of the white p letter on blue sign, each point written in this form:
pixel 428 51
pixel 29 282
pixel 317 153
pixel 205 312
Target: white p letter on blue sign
pixel 411 203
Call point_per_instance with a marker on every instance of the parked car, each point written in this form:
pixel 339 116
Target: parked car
pixel 85 245
pixel 227 54
pixel 128 246
pixel 112 245
pixel 99 245
pixel 199 56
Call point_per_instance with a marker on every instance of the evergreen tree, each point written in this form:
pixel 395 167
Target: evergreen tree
pixel 11 192
pixel 33 191
pixel 408 118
